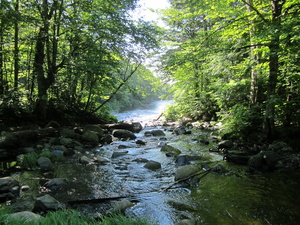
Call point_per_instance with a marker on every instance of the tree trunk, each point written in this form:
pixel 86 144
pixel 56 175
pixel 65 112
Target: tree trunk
pixel 274 47
pixel 16 50
pixel 1 54
pixel 254 58
pixel 39 59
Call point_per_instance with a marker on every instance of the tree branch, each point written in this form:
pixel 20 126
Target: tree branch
pixel 118 88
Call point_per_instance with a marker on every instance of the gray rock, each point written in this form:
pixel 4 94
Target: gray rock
pixel 120 133
pixel 118 153
pixel 106 139
pixel 152 165
pixel 65 141
pixel 68 133
pixel 9 188
pixel 170 149
pixel 226 144
pixel 96 129
pixel 156 133
pixel 91 137
pixel 265 160
pixel 47 203
pixel 45 163
pixel 121 206
pixel 101 159
pixel 23 217
pixel 218 168
pixel 140 142
pixel 186 171
pixel 182 160
pixel 7 183
pixel 84 160
pixel 57 153
pixel 180 130
pixel 56 184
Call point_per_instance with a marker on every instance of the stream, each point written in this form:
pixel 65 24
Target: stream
pixel 236 197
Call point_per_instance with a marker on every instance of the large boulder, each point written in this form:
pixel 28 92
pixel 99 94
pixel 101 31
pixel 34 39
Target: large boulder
pixel 155 133
pixel 186 171
pixel 265 160
pixel 180 130
pixel 23 217
pixel 134 127
pixel 91 137
pixel 56 184
pixel 226 144
pixel 47 203
pixel 170 150
pixel 99 131
pixel 121 133
pixel 9 188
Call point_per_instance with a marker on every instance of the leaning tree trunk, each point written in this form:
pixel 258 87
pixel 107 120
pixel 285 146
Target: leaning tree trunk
pixel 274 47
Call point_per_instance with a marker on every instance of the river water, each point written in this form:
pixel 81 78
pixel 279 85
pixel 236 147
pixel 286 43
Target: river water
pixel 236 197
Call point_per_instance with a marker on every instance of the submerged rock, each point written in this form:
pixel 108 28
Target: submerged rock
pixel 186 171
pixel 170 149
pixel 152 165
pixel 118 153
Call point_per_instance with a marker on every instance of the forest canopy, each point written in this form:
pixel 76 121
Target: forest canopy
pixel 236 61
pixel 62 57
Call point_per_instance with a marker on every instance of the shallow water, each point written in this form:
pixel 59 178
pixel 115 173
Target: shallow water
pixel 237 197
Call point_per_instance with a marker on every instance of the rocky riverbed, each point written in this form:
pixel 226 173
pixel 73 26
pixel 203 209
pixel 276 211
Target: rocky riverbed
pixel 149 172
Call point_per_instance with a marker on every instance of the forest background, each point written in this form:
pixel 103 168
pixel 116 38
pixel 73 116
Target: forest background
pixel 233 61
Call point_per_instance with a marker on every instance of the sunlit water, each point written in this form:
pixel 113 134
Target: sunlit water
pixel 237 197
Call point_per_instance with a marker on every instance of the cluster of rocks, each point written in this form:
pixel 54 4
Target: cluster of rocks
pixel 275 156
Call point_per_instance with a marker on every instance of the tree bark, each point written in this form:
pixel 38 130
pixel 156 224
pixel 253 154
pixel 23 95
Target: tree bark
pixel 254 58
pixel 1 54
pixel 274 47
pixel 16 50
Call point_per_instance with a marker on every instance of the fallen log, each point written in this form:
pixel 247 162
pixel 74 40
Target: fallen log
pixel 95 200
pixel 186 178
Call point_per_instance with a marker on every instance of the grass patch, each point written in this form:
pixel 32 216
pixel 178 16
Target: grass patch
pixel 72 217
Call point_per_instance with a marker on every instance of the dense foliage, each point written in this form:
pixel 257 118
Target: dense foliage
pixel 235 60
pixel 69 57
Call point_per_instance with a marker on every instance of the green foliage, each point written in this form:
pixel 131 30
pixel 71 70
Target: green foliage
pixel 244 123
pixel 29 160
pixel 222 58
pixel 67 217
pixel 73 60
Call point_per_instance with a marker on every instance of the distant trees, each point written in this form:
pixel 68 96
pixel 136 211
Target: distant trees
pixel 67 55
pixel 237 60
